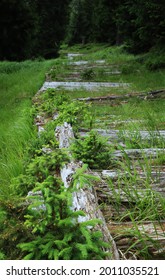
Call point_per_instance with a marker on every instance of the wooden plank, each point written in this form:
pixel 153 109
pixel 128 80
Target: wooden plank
pixel 130 193
pixel 118 135
pixel 81 85
pixel 153 233
pixel 85 198
pixel 145 95
pixel 138 153
pixel 114 175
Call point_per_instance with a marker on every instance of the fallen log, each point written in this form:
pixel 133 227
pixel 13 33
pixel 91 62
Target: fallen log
pixel 154 176
pixel 145 95
pixel 128 192
pixel 102 98
pixel 152 233
pixel 85 62
pixel 138 153
pixel 129 195
pixel 84 199
pixel 118 135
pixel 81 85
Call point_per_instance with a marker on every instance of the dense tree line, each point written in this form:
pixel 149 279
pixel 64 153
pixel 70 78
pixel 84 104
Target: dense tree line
pixel 32 28
pixel 137 23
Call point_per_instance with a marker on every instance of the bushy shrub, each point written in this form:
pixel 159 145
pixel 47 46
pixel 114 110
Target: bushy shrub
pixel 93 150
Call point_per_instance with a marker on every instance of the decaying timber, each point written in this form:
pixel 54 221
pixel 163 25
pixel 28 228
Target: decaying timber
pixel 81 85
pixel 154 176
pixel 138 153
pixel 114 134
pixel 83 199
pixel 144 95
pixel 128 234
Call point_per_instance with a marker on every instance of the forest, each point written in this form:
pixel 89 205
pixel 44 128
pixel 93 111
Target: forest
pixel 33 28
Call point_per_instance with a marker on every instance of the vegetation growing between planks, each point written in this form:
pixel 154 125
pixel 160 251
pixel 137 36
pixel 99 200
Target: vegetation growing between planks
pixel 49 228
pixel 22 236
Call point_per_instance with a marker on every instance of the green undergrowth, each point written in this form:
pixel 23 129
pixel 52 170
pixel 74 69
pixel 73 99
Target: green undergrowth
pixel 37 220
pixel 144 72
pixel 93 150
pixel 132 114
pixel 18 83
pixel 36 217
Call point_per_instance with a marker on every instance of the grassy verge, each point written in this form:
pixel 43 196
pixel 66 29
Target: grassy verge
pixel 18 84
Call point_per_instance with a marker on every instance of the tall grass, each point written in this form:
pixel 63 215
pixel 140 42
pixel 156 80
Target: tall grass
pixel 18 84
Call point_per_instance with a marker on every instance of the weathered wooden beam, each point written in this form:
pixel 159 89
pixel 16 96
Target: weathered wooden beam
pixel 152 232
pixel 84 199
pixel 145 95
pixel 81 85
pixel 138 153
pixel 114 175
pixel 128 192
pixel 114 134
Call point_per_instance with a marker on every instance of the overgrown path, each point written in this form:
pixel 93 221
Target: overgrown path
pixel 131 191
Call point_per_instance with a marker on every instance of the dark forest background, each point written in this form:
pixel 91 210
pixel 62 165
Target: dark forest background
pixel 36 28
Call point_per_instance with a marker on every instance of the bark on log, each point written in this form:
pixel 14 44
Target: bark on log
pixel 84 199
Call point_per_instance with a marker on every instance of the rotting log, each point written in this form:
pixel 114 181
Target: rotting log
pixel 145 95
pixel 154 176
pixel 81 85
pixel 84 199
pixel 152 232
pixel 114 134
pixel 129 193
pixel 138 153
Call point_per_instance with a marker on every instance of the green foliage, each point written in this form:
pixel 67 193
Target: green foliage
pixel 93 150
pixel 49 228
pixel 2 256
pixel 39 28
pixel 81 178
pixel 18 83
pixel 12 229
pixel 50 102
pixel 155 59
pixel 46 163
pixel 88 74
pixel 36 30
pixel 76 113
pixel 19 31
pixel 56 233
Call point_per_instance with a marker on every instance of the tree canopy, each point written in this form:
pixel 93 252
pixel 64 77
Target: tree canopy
pixel 33 28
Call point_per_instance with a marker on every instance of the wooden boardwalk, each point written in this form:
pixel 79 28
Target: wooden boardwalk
pixel 118 189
